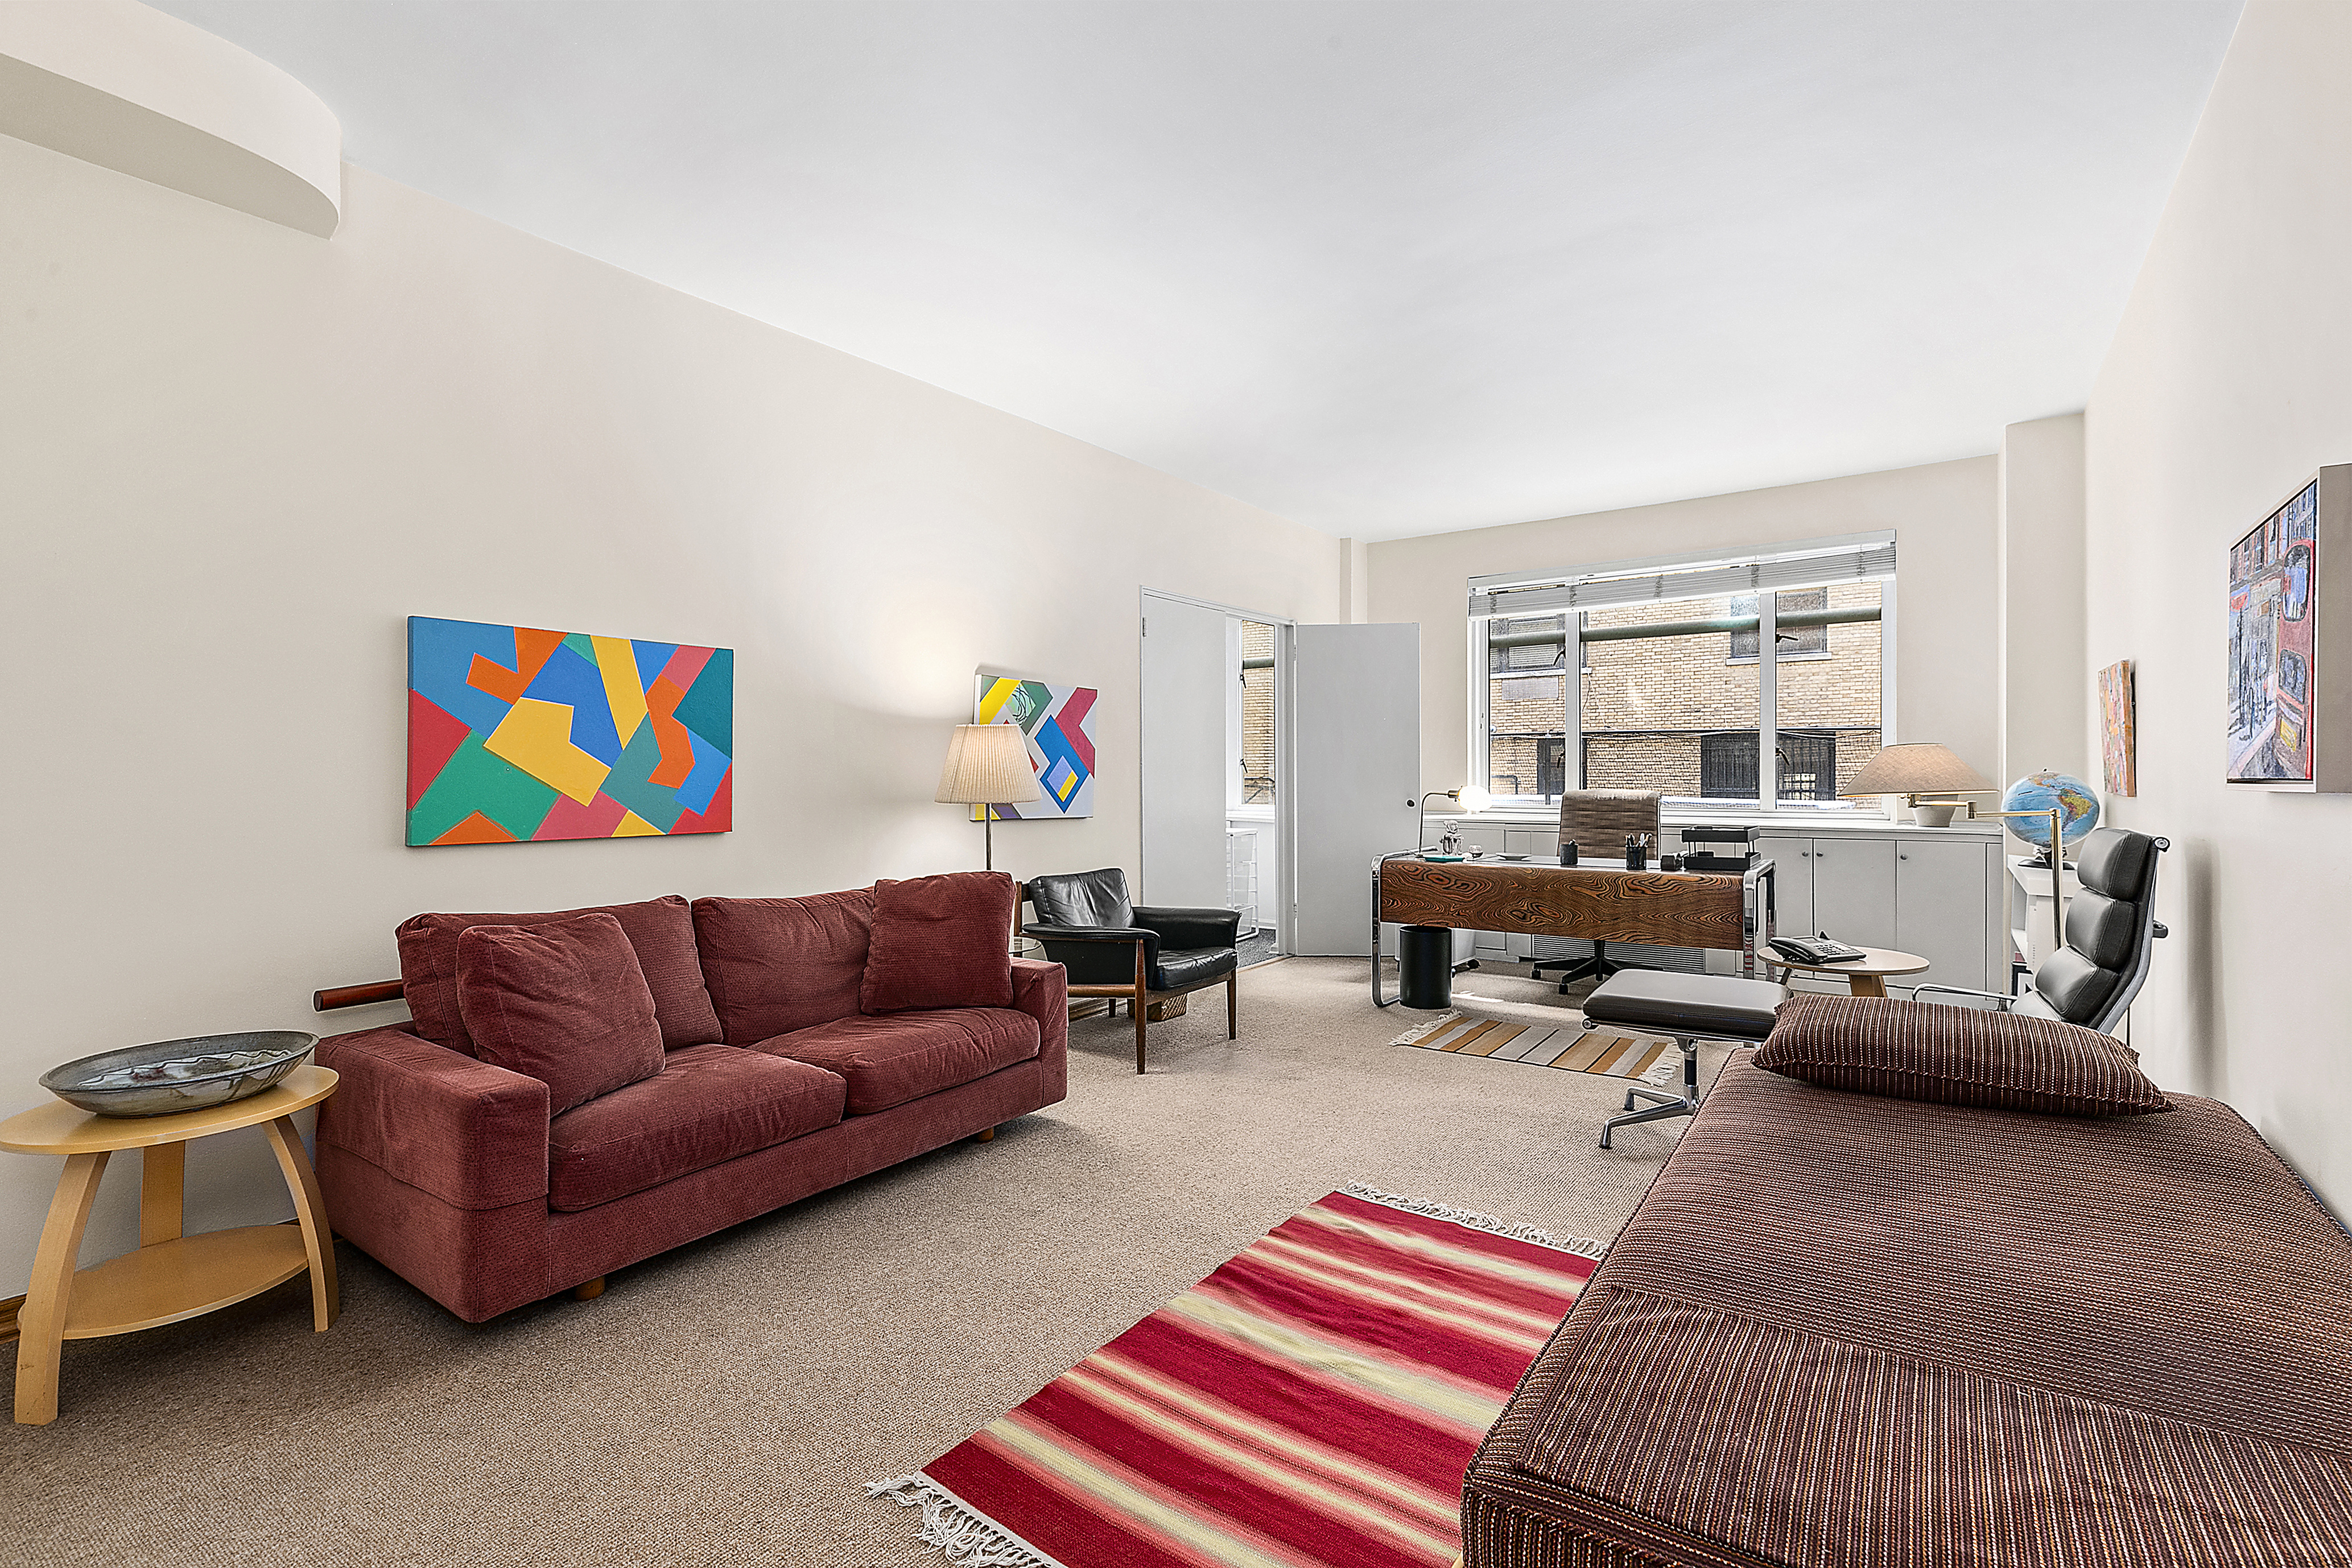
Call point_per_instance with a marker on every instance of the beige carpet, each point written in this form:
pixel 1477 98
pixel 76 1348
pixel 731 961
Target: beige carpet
pixel 723 1402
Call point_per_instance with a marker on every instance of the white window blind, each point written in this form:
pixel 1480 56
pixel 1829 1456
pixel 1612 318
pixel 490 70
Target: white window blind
pixel 1706 580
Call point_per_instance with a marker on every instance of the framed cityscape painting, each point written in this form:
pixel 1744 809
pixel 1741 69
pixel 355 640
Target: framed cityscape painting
pixel 1058 723
pixel 518 734
pixel 2273 612
pixel 2117 749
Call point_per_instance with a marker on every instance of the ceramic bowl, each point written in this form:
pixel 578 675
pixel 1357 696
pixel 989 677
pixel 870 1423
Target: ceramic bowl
pixel 179 1075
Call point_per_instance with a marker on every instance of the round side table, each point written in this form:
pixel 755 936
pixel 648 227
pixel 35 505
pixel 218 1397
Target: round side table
pixel 1864 976
pixel 171 1275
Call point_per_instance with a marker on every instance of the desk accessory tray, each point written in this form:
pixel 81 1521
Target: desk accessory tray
pixel 170 1076
pixel 1706 860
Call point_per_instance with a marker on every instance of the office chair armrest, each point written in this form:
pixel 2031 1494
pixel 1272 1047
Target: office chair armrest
pixel 1919 991
pixel 1183 929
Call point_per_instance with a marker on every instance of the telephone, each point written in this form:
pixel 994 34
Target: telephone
pixel 1821 948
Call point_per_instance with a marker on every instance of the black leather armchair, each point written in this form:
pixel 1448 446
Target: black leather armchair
pixel 2111 927
pixel 1145 956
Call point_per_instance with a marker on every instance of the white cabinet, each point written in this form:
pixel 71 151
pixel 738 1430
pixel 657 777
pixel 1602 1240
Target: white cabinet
pixel 1942 889
pixel 1939 893
pixel 1916 893
pixel 1855 892
pixel 1792 884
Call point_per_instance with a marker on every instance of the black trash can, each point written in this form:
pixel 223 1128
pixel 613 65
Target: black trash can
pixel 1425 967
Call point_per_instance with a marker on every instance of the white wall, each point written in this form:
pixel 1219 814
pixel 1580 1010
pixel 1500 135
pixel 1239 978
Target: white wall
pixel 237 457
pixel 2225 387
pixel 2042 679
pixel 1946 614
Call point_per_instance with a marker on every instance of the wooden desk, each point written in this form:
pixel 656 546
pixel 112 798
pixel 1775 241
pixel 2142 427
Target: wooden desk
pixel 171 1275
pixel 1601 903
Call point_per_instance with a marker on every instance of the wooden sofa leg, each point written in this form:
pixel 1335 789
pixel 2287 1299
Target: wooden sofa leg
pixel 590 1291
pixel 1137 1010
pixel 985 1135
pixel 1234 1005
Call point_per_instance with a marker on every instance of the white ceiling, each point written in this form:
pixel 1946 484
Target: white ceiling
pixel 1387 269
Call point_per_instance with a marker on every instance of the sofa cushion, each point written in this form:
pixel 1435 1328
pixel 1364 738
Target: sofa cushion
pixel 890 1060
pixel 773 965
pixel 660 930
pixel 563 1002
pixel 1955 1055
pixel 709 1103
pixel 940 941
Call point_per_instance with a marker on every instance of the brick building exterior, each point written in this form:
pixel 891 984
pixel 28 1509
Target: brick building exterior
pixel 1680 714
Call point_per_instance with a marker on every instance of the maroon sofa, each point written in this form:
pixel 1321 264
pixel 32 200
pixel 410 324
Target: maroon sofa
pixel 450 1171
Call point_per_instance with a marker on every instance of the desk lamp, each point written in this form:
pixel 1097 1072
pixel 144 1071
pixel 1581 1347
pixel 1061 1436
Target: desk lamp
pixel 1918 768
pixel 1470 797
pixel 987 766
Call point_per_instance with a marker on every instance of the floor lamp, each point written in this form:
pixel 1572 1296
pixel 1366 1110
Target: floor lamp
pixel 987 766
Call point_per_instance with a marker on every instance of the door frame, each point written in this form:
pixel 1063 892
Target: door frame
pixel 1285 802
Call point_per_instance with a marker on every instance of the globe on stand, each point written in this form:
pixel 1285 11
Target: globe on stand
pixel 2077 802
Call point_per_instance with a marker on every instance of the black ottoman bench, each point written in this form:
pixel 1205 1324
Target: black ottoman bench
pixel 1686 1008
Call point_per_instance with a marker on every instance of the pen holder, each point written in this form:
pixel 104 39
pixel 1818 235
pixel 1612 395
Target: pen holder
pixel 1568 853
pixel 1637 853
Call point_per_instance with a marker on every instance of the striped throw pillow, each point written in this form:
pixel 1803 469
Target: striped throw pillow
pixel 1955 1055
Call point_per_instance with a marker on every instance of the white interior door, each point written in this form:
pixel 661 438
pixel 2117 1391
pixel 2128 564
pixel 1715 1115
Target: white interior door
pixel 1184 754
pixel 1356 773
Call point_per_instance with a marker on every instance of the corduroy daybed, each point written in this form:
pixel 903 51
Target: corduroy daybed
pixel 1872 1333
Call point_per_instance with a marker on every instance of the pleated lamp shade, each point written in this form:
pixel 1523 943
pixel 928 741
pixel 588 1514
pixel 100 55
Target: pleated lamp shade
pixel 1918 767
pixel 987 764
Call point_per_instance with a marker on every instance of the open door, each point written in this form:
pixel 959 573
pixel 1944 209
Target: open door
pixel 1356 764
pixel 1186 690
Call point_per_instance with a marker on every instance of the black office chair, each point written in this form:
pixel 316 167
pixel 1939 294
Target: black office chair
pixel 1146 957
pixel 2110 930
pixel 1598 822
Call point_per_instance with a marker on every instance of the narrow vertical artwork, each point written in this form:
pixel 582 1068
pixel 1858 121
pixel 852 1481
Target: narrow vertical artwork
pixel 517 735
pixel 2272 615
pixel 1058 723
pixel 2116 729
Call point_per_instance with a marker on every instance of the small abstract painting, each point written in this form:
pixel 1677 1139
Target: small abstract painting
pixel 516 734
pixel 2115 727
pixel 1058 721
pixel 2272 617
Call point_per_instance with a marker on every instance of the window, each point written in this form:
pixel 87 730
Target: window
pixel 1793 642
pixel 1665 689
pixel 1257 714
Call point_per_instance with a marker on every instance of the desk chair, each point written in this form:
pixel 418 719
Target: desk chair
pixel 1598 821
pixel 1144 957
pixel 2110 930
pixel 1686 1008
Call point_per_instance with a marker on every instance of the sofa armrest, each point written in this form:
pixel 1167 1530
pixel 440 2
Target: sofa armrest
pixel 1042 991
pixel 1182 930
pixel 472 1134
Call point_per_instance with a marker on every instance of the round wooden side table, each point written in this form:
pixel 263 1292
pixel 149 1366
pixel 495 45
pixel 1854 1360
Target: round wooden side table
pixel 1864 976
pixel 171 1275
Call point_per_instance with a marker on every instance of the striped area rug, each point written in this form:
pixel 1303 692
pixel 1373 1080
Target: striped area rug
pixel 1574 1048
pixel 1314 1402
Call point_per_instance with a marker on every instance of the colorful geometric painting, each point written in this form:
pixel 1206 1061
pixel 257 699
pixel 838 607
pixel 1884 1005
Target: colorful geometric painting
pixel 2117 749
pixel 2271 620
pixel 1059 721
pixel 517 735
